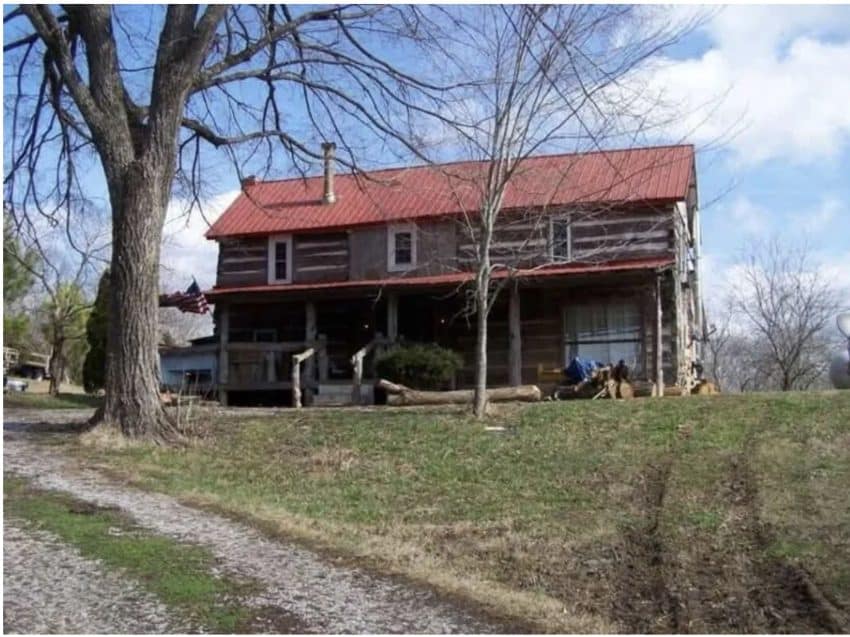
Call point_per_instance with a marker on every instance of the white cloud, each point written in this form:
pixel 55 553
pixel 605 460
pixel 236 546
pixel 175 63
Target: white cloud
pixel 748 218
pixel 820 219
pixel 836 270
pixel 720 276
pixel 186 254
pixel 775 79
pixel 185 251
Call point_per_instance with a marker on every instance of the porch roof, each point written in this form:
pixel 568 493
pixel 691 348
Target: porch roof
pixel 452 278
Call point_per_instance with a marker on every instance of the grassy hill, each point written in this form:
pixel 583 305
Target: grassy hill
pixel 702 514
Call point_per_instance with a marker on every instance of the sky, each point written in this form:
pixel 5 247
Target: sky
pixel 768 95
pixel 765 97
pixel 780 80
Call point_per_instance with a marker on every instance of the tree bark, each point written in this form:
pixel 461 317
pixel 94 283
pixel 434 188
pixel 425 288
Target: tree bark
pixel 132 401
pixel 56 367
pixel 480 393
pixel 659 338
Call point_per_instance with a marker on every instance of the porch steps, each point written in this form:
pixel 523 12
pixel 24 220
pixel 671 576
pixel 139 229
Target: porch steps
pixel 340 394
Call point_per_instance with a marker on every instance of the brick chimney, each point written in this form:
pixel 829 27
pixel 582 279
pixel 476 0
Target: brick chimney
pixel 250 180
pixel 328 149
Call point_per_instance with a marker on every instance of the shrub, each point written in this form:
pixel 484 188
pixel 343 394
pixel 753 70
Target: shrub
pixel 419 366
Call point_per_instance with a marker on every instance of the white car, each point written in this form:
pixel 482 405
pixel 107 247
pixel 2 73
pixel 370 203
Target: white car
pixel 12 384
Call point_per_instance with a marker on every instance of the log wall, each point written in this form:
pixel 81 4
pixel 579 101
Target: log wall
pixel 350 324
pixel 320 257
pixel 595 236
pixel 242 262
pixel 447 245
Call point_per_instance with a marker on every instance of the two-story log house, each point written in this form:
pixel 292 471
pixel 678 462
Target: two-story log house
pixel 600 249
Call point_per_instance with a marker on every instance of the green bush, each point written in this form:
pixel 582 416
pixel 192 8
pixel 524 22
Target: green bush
pixel 419 366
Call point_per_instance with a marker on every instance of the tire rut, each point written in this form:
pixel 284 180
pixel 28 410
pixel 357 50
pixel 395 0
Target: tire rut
pixel 728 583
pixel 722 582
pixel 784 594
pixel 643 603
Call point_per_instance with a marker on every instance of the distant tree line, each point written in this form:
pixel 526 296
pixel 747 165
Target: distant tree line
pixel 775 329
pixel 48 304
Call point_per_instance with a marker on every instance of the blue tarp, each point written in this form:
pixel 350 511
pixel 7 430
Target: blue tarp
pixel 580 369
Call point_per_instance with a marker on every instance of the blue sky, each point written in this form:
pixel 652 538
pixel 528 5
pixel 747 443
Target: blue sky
pixel 767 92
pixel 765 96
pixel 781 77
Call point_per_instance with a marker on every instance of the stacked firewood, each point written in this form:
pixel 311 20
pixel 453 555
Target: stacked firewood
pixel 606 381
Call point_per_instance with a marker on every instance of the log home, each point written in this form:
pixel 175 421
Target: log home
pixel 598 253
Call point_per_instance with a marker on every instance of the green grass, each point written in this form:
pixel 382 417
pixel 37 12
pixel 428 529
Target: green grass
pixel 26 400
pixel 433 493
pixel 177 573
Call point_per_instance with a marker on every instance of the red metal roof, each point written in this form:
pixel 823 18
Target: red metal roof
pixel 653 174
pixel 453 278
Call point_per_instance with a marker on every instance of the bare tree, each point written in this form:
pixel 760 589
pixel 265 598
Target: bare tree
pixel 148 92
pixel 181 327
pixel 785 306
pixel 545 78
pixel 737 361
pixel 69 256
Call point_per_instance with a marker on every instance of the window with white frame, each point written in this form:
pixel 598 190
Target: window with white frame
pixel 280 258
pixel 559 238
pixel 605 331
pixel 401 247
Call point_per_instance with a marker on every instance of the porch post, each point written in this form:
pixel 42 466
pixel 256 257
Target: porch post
pixel 323 358
pixel 310 336
pixel 514 337
pixel 223 358
pixel 659 341
pixel 392 316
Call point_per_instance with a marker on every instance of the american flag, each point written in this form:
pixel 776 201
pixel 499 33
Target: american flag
pixel 192 300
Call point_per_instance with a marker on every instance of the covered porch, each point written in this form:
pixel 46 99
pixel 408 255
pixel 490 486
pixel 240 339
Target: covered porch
pixel 319 345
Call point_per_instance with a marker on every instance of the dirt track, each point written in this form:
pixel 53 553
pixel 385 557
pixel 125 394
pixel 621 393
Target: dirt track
pixel 729 585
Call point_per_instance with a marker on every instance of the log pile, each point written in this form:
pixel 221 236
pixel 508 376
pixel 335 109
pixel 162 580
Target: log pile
pixel 401 395
pixel 608 381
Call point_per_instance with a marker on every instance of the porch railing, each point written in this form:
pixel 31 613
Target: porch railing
pixel 270 364
pixel 297 359
pixel 357 359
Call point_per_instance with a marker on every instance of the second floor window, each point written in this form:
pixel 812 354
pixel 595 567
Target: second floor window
pixel 280 259
pixel 401 248
pixel 559 239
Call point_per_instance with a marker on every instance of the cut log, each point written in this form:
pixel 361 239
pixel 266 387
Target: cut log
pixel 642 388
pixel 401 395
pixel 705 388
pixel 625 390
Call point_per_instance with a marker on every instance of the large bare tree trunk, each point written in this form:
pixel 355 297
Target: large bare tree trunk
pixel 132 400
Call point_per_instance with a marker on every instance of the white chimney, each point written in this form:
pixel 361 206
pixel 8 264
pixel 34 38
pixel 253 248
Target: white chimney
pixel 328 149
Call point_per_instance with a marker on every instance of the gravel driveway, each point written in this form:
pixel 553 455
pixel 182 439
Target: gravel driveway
pixel 48 587
pixel 320 596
